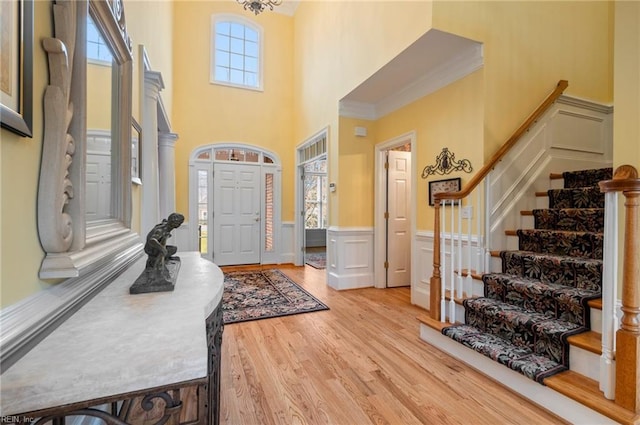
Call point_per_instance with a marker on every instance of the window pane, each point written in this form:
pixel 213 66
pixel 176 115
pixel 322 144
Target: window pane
pixel 251 49
pixel 222 58
pixel 251 64
pixel 250 34
pixel 251 79
pixel 223 28
pixel 237 30
pixel 222 43
pixel 222 74
pixel 237 45
pixel 237 61
pixel 236 77
pixel 92 50
pixel 205 155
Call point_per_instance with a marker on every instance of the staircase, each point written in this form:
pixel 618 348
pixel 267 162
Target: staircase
pixel 541 296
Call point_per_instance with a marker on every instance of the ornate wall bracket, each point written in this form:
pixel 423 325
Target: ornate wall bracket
pixel 445 164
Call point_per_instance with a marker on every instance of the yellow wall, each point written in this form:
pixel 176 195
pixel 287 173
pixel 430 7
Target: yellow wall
pixel 357 162
pixel 21 251
pixel 528 47
pixel 98 97
pixel 626 125
pixel 207 113
pixel 452 117
pixel 337 45
pixel 150 24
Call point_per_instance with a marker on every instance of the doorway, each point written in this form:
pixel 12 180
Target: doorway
pixel 314 178
pixel 395 212
pixel 311 201
pixel 234 203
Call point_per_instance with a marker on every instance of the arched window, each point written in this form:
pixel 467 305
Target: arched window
pixel 236 52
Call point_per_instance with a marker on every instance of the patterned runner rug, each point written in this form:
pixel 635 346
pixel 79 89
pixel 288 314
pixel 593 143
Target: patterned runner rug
pixel 261 294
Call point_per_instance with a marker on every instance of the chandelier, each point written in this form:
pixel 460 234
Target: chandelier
pixel 257 6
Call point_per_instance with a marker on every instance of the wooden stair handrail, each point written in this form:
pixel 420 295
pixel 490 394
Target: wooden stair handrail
pixel 625 180
pixel 436 279
pixel 480 175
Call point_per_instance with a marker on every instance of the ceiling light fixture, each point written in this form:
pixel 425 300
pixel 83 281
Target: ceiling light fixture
pixel 257 6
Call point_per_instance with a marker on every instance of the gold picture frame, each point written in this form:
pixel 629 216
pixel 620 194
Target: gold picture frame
pixel 16 62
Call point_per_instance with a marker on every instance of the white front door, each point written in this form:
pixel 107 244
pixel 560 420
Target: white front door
pixel 236 214
pixel 399 223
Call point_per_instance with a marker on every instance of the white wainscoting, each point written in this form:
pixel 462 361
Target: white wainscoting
pixel 423 259
pixel 350 257
pixel 287 243
pixel 423 263
pixel 574 134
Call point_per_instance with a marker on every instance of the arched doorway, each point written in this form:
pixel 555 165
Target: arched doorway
pixel 234 197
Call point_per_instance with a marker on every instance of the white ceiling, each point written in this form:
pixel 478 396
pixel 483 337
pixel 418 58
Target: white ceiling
pixel 433 61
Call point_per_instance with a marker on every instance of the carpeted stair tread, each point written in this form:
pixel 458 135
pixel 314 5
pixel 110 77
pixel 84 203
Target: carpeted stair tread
pixel 583 273
pixel 582 178
pixel 518 358
pixel 582 197
pixel 574 219
pixel 561 242
pixel 553 300
pixel 537 331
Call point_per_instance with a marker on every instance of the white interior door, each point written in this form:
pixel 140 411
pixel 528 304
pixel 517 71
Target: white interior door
pixel 236 214
pixel 399 219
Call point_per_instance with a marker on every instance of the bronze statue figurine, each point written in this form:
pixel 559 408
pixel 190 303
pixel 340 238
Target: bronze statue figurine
pixel 162 266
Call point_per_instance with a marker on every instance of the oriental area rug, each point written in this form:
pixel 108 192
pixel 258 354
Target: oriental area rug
pixel 262 294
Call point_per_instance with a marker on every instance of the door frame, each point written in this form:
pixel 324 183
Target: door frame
pixel 299 229
pixel 275 167
pixel 379 240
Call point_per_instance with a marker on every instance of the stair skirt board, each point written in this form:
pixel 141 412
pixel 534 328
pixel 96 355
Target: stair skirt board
pixel 545 397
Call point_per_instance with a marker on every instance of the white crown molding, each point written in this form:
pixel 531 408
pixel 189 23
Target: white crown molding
pixel 359 110
pixel 460 66
pixel 585 104
pixel 443 75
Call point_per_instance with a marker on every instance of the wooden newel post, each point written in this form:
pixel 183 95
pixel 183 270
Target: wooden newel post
pixel 626 180
pixel 436 280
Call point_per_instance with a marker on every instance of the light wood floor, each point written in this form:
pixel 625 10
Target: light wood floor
pixel 361 362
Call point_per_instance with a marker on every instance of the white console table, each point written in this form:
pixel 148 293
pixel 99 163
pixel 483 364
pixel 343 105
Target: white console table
pixel 127 352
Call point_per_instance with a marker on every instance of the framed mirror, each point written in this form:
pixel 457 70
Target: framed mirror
pixel 84 196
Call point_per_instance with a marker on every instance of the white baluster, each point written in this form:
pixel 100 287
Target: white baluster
pixel 443 260
pixel 459 253
pixel 452 303
pixel 469 280
pixel 479 251
pixel 487 225
pixel 609 296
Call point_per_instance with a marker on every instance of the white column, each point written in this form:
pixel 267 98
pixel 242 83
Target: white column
pixel 167 172
pixel 150 202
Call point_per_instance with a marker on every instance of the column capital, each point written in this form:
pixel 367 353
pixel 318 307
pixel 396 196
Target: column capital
pixel 167 139
pixel 153 81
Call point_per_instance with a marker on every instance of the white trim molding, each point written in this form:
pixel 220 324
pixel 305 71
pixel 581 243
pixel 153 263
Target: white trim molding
pixel 349 257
